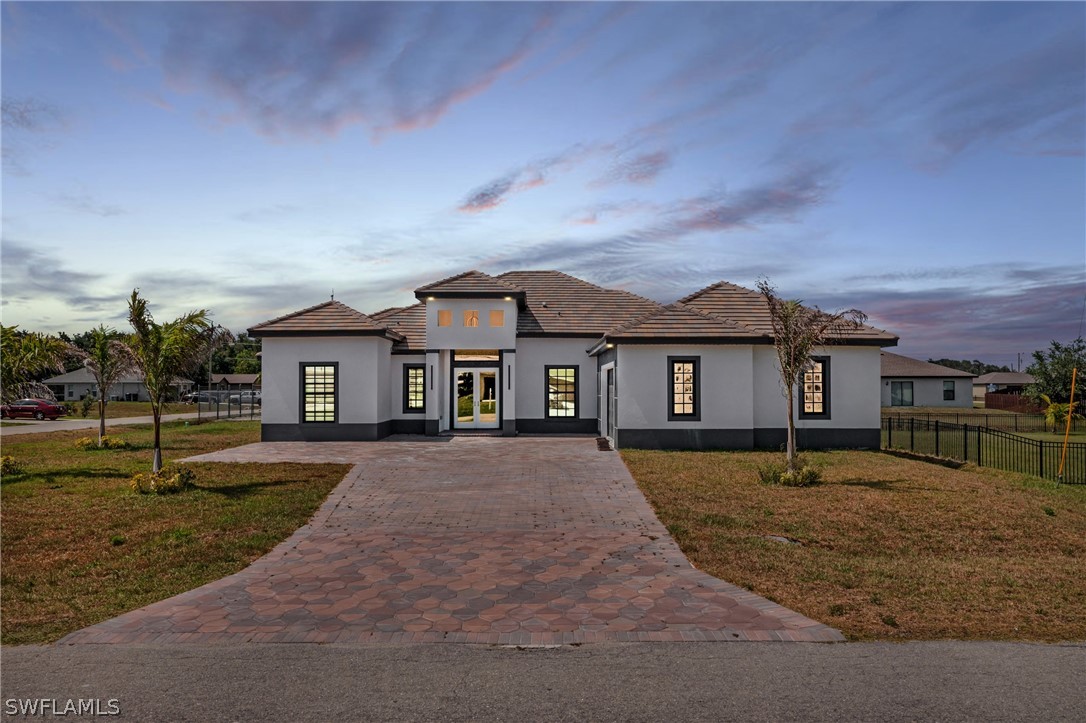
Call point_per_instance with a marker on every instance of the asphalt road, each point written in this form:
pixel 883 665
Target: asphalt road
pixel 621 682
pixel 33 426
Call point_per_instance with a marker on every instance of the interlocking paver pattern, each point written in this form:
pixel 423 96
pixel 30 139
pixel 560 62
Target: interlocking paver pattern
pixel 522 541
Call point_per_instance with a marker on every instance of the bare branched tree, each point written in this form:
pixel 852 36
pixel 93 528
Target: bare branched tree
pixel 797 331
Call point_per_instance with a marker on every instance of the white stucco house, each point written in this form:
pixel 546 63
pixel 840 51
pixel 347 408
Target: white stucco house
pixel 910 382
pixel 537 352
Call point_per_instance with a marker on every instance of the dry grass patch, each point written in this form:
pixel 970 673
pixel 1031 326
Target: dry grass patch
pixel 80 547
pixel 888 548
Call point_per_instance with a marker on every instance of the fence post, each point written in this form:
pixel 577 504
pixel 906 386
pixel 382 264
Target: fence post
pixel 965 442
pixel 980 443
pixel 912 435
pixel 936 437
pixel 1041 459
pixel 889 433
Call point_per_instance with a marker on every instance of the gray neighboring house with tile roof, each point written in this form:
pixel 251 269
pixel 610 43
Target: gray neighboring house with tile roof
pixel 538 352
pixel 910 382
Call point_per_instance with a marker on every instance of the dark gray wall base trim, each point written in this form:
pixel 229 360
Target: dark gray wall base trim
pixel 324 432
pixel 744 438
pixel 684 438
pixel 818 438
pixel 557 426
pixel 432 427
pixel 509 427
pixel 408 426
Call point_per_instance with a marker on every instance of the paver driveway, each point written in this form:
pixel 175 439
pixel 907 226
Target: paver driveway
pixel 465 539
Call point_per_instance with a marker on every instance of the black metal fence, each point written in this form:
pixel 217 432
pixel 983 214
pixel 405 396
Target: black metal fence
pixel 985 446
pixel 215 403
pixel 1005 422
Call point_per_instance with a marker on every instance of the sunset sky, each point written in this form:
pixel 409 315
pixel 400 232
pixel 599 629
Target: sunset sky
pixel 922 162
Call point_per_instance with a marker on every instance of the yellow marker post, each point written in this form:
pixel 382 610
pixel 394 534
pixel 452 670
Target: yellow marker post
pixel 1067 431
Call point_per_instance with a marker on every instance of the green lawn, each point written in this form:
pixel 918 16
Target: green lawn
pixel 888 548
pixel 79 547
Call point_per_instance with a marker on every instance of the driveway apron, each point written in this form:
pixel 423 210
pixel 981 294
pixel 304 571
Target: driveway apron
pixel 525 541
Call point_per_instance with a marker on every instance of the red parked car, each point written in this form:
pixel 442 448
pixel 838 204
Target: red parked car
pixel 36 408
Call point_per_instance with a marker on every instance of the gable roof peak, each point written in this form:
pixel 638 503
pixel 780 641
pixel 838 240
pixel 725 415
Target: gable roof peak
pixel 328 318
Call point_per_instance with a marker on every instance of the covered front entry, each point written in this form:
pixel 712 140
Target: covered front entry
pixel 476 398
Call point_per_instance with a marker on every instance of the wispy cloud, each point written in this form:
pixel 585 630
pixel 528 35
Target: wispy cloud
pixel 637 168
pixel 27 124
pixel 83 202
pixel 531 175
pixel 992 315
pixel 32 272
pixel 312 69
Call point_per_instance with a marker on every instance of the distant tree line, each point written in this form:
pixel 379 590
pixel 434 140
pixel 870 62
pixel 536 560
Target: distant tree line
pixel 975 367
pixel 231 357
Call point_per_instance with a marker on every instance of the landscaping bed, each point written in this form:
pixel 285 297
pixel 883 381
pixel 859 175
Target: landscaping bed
pixel 885 548
pixel 80 547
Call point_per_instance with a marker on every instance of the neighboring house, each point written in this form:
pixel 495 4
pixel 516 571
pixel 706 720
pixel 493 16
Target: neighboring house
pixel 913 383
pixel 77 384
pixel 1000 383
pixel 230 382
pixel 542 352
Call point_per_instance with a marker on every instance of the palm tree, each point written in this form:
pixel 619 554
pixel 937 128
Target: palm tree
pixel 797 330
pixel 1056 412
pixel 108 359
pixel 164 352
pixel 24 358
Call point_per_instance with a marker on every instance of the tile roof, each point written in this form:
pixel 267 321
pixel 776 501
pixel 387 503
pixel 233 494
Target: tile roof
pixel 677 321
pixel 409 321
pixel 1004 378
pixel 234 378
pixel 895 365
pixel 749 308
pixel 469 283
pixel 331 318
pixel 560 304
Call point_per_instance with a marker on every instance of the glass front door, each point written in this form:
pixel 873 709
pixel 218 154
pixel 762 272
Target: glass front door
pixel 477 399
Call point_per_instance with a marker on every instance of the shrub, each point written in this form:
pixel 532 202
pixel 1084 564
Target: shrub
pixel 89 443
pixel 10 465
pixel 85 405
pixel 778 474
pixel 168 480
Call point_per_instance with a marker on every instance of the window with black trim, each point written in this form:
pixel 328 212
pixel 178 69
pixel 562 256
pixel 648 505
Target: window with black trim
pixel 948 390
pixel 414 388
pixel 816 389
pixel 684 388
pixel 561 392
pixel 319 392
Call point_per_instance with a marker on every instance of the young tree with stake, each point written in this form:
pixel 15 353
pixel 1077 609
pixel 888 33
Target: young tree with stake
pixel 797 331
